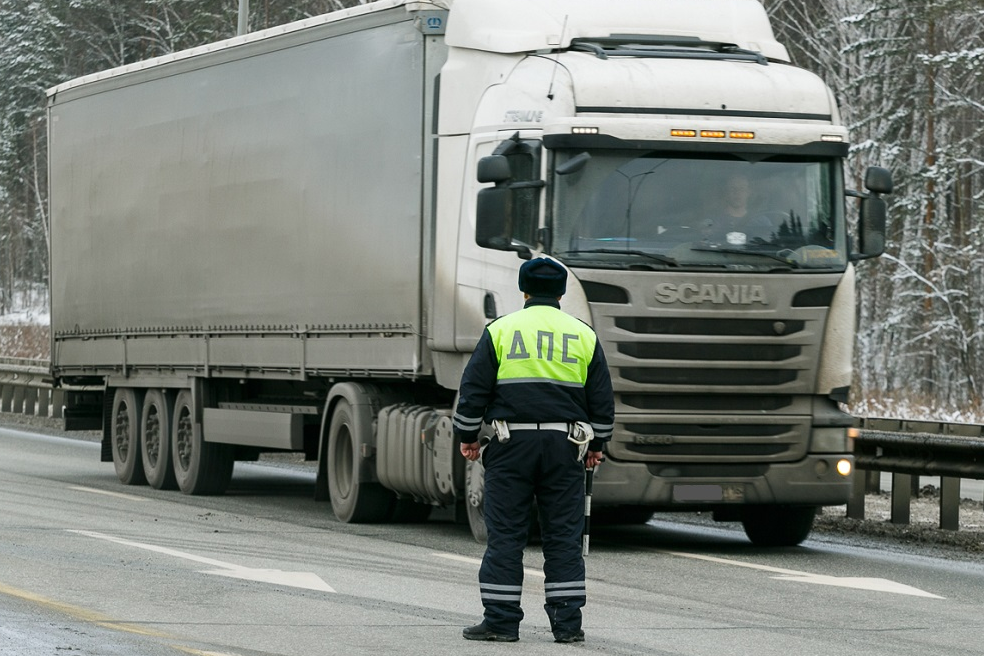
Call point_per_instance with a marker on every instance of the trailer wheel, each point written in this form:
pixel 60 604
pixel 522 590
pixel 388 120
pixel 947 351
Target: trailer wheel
pixel 474 499
pixel 155 439
pixel 353 501
pixel 200 467
pixel 126 436
pixel 778 526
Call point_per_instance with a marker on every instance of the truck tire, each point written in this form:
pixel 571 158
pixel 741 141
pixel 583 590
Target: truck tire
pixel 353 501
pixel 155 439
pixel 778 526
pixel 125 440
pixel 200 467
pixel 474 499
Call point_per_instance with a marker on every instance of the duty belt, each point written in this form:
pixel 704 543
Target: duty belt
pixel 546 426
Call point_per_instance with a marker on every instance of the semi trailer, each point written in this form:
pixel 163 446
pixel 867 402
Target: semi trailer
pixel 291 241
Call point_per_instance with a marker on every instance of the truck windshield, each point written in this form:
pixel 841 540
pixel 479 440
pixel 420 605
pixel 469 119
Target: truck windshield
pixel 624 209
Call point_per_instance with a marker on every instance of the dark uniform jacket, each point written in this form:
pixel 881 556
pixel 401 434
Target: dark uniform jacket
pixel 536 365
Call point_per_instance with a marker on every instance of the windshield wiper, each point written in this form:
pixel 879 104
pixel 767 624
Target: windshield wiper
pixel 656 257
pixel 738 251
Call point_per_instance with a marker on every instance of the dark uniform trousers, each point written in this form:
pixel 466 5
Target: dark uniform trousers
pixel 541 464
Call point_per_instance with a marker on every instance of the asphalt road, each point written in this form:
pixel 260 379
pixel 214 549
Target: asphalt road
pixel 89 567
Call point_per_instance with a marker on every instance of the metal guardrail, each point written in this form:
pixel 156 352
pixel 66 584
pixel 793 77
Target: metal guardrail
pixel 25 388
pixel 905 448
pixel 911 449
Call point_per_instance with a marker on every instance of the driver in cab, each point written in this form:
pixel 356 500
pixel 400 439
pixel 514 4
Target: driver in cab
pixel 735 224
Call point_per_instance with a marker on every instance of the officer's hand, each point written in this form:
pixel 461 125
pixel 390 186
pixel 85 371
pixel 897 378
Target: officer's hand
pixel 470 451
pixel 592 460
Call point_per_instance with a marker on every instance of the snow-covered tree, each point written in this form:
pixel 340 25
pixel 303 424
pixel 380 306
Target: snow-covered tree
pixel 909 79
pixel 29 48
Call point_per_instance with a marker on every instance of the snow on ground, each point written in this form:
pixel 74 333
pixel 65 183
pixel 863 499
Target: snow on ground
pixel 26 307
pixel 29 317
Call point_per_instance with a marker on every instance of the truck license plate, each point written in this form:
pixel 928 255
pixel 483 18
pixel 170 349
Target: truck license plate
pixel 691 493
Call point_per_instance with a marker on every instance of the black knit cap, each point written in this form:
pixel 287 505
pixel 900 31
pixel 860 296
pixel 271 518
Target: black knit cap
pixel 543 277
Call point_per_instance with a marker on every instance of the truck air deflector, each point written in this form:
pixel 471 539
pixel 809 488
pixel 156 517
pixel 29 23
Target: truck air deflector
pixel 670 47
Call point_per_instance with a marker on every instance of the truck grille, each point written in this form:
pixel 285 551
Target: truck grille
pixel 686 326
pixel 711 383
pixel 686 439
pixel 712 377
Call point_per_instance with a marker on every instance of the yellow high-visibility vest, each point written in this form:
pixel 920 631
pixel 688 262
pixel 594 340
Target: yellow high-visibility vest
pixel 542 344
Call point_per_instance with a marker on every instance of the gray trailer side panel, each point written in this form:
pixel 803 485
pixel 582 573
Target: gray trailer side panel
pixel 279 191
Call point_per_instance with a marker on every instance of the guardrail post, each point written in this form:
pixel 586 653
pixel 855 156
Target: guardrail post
pixel 30 400
pixel 6 397
pixel 900 513
pixel 17 406
pixel 44 400
pixel 57 403
pixel 950 502
pixel 856 503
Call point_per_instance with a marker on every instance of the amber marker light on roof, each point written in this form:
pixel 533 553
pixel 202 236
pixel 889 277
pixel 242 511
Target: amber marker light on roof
pixel 677 132
pixel 713 134
pixel 735 134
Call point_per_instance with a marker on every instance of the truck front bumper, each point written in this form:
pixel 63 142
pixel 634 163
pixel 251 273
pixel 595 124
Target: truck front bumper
pixel 811 481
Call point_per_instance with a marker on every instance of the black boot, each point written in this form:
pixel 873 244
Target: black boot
pixel 482 632
pixel 570 636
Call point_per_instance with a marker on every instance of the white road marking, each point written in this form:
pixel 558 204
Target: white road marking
pixel 476 561
pixel 860 583
pixel 306 580
pixel 118 495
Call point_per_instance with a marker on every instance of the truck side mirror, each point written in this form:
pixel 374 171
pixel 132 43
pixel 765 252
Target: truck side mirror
pixel 494 218
pixel 506 215
pixel 878 180
pixel 872 213
pixel 494 168
pixel 574 164
pixel 872 227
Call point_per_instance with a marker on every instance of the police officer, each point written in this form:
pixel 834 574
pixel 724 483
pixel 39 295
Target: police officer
pixel 533 375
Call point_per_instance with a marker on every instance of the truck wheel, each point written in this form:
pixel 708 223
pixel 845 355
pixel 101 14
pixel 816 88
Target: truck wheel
pixel 155 439
pixel 200 467
pixel 126 436
pixel 353 501
pixel 474 499
pixel 778 526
